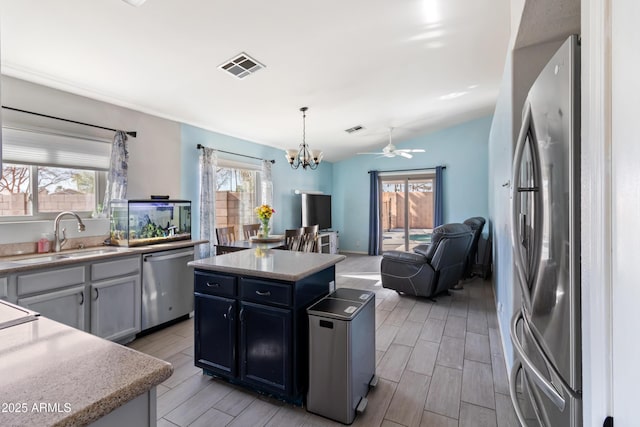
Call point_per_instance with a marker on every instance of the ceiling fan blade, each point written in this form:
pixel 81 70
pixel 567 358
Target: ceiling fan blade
pixel 405 155
pixel 370 153
pixel 410 150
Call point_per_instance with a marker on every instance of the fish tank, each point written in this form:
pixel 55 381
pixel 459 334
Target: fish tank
pixel 147 222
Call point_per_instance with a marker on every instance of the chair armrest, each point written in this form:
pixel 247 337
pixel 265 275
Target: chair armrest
pixel 422 249
pixel 407 272
pixel 404 257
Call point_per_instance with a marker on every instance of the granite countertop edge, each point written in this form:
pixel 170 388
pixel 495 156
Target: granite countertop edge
pixel 118 398
pixel 111 375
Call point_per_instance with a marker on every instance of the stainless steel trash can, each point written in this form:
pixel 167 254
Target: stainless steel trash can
pixel 341 353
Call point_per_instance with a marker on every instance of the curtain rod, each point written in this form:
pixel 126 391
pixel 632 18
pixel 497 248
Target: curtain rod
pixel 130 133
pixel 410 170
pixel 200 146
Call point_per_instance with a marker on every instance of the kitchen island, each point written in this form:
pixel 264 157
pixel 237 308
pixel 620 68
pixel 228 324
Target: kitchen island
pixel 251 325
pixel 55 375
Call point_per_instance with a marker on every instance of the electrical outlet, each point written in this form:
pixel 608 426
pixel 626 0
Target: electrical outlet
pixel 499 307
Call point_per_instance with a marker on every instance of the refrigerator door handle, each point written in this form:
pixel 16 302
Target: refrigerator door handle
pixel 515 214
pixel 528 365
pixel 567 388
pixel 523 227
pixel 513 392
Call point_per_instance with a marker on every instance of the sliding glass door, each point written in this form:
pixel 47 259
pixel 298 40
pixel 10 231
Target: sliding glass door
pixel 406 210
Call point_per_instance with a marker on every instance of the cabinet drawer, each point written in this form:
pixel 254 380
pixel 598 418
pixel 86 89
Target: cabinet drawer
pixel 3 287
pixel 115 268
pixel 264 292
pixel 50 279
pixel 216 284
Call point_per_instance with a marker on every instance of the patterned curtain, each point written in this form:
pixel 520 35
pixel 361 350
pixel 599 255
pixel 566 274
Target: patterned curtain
pixel 374 213
pixel 208 164
pixel 118 166
pixel 266 183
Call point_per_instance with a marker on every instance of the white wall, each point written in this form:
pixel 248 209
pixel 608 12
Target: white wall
pixel 500 155
pixel 596 213
pixel 625 193
pixel 154 155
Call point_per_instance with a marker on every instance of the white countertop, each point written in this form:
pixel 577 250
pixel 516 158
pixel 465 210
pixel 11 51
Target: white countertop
pixel 81 377
pixel 271 264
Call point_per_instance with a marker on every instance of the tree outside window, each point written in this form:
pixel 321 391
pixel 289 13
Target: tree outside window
pixel 57 189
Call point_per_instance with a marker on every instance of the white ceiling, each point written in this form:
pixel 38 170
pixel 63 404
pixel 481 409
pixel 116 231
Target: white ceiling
pixel 415 65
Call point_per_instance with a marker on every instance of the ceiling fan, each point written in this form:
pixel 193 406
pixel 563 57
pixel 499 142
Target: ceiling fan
pixel 390 150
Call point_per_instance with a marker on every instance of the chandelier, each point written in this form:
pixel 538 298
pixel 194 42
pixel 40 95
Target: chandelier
pixel 304 156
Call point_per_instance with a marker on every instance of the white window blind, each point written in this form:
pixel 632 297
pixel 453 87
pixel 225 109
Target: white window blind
pixel 34 147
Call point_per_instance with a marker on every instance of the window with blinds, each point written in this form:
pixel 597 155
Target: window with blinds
pixel 44 173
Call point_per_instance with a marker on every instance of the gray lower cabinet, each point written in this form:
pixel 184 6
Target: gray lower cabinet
pixel 66 306
pixel 115 307
pixel 116 298
pixel 4 290
pixel 57 293
pixel 103 297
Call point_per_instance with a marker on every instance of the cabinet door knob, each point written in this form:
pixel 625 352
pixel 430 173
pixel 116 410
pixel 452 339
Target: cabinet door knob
pixel 81 297
pixel 213 285
pixel 97 293
pixel 264 293
pixel 242 314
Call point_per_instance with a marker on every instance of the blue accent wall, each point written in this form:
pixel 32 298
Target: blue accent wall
pixel 285 179
pixel 463 149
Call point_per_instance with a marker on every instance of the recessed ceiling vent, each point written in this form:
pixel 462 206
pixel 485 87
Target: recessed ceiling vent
pixel 241 66
pixel 354 129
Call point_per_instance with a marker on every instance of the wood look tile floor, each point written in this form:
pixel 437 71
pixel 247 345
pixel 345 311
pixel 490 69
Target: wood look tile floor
pixel 439 364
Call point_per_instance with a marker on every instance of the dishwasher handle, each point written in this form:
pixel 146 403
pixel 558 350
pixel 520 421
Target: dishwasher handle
pixel 154 258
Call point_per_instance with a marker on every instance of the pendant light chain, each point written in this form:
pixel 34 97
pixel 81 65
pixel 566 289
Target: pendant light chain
pixel 304 137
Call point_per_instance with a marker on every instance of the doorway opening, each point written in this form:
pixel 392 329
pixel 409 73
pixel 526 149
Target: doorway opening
pixel 406 210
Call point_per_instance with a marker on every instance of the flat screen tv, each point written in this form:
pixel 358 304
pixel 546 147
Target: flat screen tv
pixel 316 209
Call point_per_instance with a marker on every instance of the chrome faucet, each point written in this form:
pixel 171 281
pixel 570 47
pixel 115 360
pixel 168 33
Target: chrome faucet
pixel 57 242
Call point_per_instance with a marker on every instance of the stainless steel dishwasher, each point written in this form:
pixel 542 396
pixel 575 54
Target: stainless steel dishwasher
pixel 167 286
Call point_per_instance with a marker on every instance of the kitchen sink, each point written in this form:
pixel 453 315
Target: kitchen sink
pixel 80 253
pixel 39 259
pixel 92 252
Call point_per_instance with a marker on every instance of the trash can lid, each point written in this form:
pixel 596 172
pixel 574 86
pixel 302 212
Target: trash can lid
pixel 350 294
pixel 335 308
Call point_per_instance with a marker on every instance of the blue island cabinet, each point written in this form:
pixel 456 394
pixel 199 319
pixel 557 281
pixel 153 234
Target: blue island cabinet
pixel 253 331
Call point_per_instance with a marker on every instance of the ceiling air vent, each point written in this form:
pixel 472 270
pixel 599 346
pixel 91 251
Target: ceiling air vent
pixel 241 66
pixel 354 129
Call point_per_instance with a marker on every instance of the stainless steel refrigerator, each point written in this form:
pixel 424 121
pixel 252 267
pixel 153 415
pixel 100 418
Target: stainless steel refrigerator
pixel 546 379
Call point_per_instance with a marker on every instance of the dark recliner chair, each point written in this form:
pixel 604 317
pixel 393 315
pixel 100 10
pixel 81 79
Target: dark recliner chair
pixel 477 224
pixel 433 269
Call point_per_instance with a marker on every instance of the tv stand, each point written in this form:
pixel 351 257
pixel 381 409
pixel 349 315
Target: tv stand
pixel 328 242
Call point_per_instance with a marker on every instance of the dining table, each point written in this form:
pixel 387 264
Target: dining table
pixel 274 242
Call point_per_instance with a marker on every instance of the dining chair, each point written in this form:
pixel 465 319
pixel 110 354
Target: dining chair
pixel 226 235
pixel 250 230
pixel 309 239
pixel 292 238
